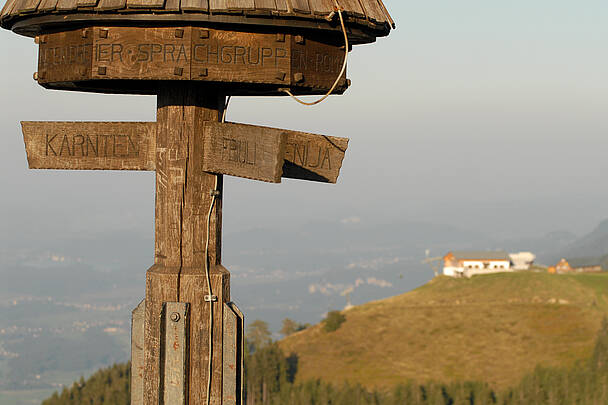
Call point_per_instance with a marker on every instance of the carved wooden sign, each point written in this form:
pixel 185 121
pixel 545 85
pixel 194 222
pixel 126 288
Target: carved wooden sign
pixel 187 53
pixel 246 151
pixel 90 145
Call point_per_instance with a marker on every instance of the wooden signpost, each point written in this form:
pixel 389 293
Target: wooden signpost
pixel 187 335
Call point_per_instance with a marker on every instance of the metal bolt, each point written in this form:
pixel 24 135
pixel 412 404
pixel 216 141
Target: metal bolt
pixel 204 34
pixel 298 77
pixel 299 39
pixel 36 76
pixel 280 37
pixel 175 317
pixel 179 33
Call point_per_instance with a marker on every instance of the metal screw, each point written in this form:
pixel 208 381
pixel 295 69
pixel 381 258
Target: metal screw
pixel 175 317
pixel 36 76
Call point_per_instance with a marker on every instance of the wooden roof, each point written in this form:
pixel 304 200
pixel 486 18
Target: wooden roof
pixel 366 19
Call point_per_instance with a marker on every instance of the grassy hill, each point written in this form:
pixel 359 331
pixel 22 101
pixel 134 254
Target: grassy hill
pixel 494 328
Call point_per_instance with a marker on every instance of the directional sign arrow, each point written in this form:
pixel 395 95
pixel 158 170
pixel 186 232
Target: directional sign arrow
pixel 248 151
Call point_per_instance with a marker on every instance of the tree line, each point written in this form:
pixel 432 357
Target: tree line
pixel 270 380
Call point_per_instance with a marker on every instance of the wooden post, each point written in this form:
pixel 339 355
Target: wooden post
pixel 183 200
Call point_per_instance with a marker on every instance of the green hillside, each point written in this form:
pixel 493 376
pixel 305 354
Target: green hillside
pixel 494 328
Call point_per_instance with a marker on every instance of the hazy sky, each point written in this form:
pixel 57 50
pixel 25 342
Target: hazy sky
pixel 483 114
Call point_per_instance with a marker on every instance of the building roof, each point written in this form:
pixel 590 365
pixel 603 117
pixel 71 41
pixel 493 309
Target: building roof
pixel 481 255
pixel 365 19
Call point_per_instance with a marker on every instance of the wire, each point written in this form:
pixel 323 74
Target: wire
pixel 346 46
pixel 210 298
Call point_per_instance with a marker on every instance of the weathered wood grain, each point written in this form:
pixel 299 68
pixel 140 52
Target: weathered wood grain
pixel 240 5
pixel 352 7
pixel 373 11
pixel 29 6
pixel 145 3
pixel 137 354
pixel 195 5
pixel 65 56
pixel 300 6
pixel 246 151
pixel 142 54
pixel 106 5
pixel 90 145
pixel 47 5
pixel 87 3
pixel 67 5
pixel 162 285
pixel 175 351
pixel 227 56
pixel 322 7
pixel 193 289
pixel 232 391
pixel 218 6
pixel 265 5
pixel 314 157
pixel 315 64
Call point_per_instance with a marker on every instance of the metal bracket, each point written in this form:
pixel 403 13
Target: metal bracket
pixel 210 298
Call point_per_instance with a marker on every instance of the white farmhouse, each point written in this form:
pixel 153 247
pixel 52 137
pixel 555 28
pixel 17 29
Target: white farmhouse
pixel 470 263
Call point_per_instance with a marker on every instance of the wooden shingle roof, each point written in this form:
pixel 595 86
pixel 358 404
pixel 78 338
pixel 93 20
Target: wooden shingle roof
pixel 366 19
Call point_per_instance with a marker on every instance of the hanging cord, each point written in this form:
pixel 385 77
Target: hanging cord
pixel 215 193
pixel 339 9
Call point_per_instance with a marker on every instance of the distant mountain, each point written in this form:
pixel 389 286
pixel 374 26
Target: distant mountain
pixel 592 244
pixel 493 328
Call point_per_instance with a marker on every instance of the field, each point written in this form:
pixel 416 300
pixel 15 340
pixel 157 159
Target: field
pixel 493 328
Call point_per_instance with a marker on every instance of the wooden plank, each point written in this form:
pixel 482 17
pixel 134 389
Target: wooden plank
pixel 317 64
pixel 29 6
pixel 174 353
pixel 87 3
pixel 265 5
pixel 300 6
pixel 240 4
pixel 132 53
pixel 90 145
pixel 67 5
pixel 228 56
pixel 195 5
pixel 352 7
pixel 162 285
pixel 17 7
pixel 65 56
pixel 105 5
pixel 8 8
pixel 232 391
pixel 145 3
pixel 48 5
pixel 246 151
pixel 314 157
pixel 193 289
pixel 282 6
pixel 218 5
pixel 137 354
pixel 373 11
pixel 386 13
pixel 322 7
